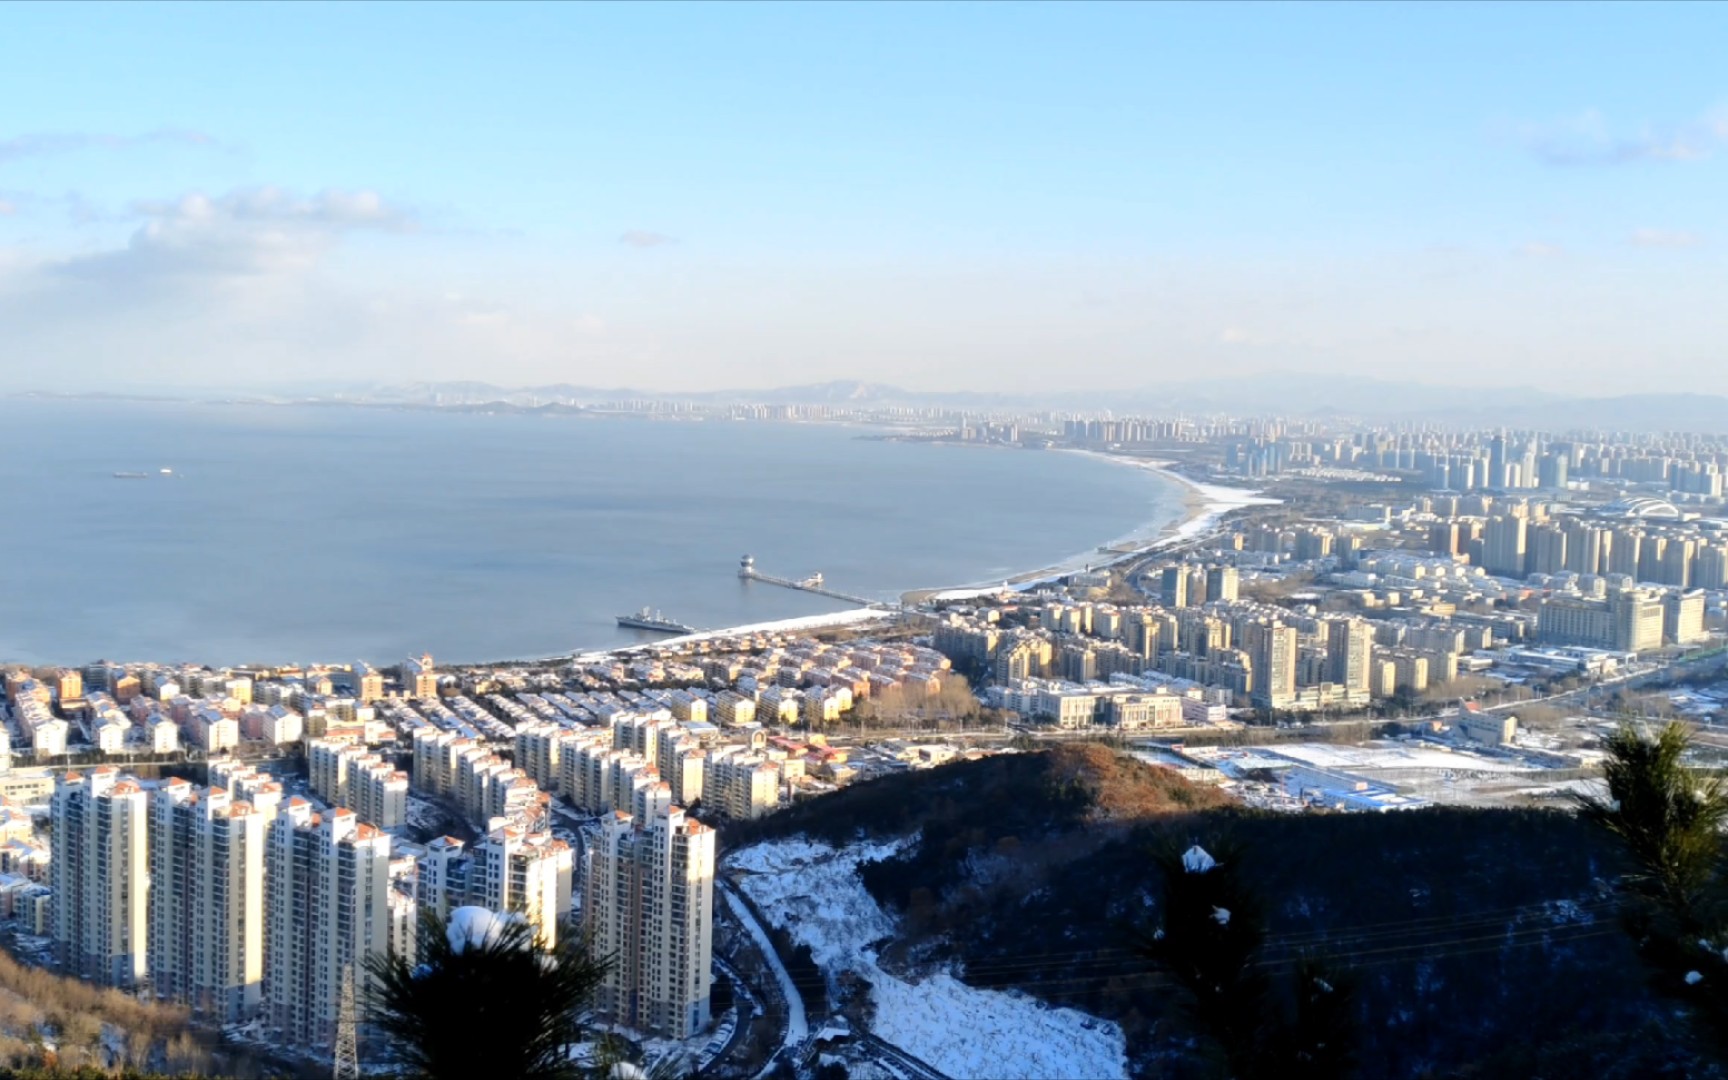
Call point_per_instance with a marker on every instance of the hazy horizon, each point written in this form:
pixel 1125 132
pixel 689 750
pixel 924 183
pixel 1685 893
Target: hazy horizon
pixel 1011 198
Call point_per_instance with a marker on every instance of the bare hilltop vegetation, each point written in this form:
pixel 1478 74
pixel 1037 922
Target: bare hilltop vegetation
pixel 49 1022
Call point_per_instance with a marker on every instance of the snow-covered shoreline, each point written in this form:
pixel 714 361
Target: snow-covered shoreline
pixel 1207 505
pixel 1212 502
pixel 802 623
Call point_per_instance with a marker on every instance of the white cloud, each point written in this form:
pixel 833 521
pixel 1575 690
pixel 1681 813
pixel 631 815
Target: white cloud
pixel 1235 335
pixel 253 287
pixel 1665 238
pixel 252 231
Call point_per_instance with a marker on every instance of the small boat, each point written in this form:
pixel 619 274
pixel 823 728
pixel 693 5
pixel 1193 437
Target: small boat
pixel 653 620
pixel 131 476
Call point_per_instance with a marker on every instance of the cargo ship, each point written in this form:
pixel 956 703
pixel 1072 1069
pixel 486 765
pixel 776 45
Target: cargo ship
pixel 653 620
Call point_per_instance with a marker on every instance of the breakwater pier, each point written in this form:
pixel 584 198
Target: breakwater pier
pixel 813 584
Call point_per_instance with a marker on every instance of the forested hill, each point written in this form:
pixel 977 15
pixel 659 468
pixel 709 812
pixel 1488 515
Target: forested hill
pixel 1479 942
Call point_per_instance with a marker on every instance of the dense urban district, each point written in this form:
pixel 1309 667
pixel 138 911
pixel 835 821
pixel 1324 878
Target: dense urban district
pixel 841 846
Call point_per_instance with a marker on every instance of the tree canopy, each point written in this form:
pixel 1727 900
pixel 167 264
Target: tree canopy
pixel 488 1004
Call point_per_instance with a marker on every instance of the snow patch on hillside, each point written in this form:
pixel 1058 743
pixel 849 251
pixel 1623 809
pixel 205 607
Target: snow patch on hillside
pixel 813 891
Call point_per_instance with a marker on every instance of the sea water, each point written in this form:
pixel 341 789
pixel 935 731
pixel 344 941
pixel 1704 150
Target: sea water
pixel 333 533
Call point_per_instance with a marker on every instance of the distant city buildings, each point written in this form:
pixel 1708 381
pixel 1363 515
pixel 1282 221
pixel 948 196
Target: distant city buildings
pixel 1514 556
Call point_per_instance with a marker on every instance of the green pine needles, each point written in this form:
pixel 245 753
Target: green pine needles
pixel 495 1006
pixel 1668 818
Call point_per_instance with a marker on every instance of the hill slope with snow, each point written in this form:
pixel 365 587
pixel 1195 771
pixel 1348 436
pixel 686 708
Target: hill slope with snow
pixel 814 892
pixel 982 901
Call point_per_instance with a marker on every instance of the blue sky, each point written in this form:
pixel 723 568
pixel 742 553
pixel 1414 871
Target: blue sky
pixel 939 195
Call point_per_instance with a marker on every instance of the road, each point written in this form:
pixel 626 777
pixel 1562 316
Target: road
pixel 745 1010
pixel 917 1068
pixel 797 1024
pixel 798 1045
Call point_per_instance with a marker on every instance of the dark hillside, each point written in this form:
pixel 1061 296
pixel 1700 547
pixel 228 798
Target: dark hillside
pixel 1004 795
pixel 1478 940
pixel 1462 929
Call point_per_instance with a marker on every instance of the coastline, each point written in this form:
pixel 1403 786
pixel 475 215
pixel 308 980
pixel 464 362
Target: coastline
pixel 828 621
pixel 1204 505
pixel 1200 508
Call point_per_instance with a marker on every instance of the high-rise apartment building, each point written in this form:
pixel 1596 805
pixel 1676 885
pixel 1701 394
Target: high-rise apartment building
pixel 649 903
pixel 1272 648
pixel 206 947
pixel 1504 546
pixel 1223 583
pixel 1683 617
pixel 343 774
pixel 101 877
pixel 540 753
pixel 1588 547
pixel 1710 566
pixel 440 877
pixel 1349 648
pixel 529 874
pixel 1627 551
pixel 1652 556
pixel 327 906
pixel 1174 582
pixel 1547 549
pixel 1677 563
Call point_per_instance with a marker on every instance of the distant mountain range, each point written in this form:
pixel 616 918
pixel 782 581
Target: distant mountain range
pixel 1290 395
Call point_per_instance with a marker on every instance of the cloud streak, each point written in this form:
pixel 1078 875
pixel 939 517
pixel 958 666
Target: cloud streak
pixel 642 238
pixel 1538 249
pixel 50 143
pixel 1589 140
pixel 1665 238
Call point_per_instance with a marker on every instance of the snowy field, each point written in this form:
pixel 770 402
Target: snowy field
pixel 1326 756
pixel 814 892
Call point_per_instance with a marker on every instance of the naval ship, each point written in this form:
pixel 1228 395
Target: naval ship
pixel 653 620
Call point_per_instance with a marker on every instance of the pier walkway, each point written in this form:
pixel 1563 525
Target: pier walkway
pixel 813 584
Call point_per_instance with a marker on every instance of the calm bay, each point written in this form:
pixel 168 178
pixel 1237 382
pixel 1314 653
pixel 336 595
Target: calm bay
pixel 326 533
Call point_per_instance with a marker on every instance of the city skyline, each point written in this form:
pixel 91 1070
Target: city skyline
pixel 695 198
pixel 961 540
pixel 1413 618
